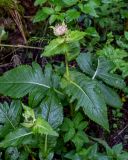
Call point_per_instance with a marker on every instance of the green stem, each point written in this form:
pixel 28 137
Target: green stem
pixel 45 146
pixel 67 68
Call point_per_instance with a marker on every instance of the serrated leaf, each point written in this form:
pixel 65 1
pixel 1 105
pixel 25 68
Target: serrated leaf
pixel 117 56
pixel 102 71
pixel 53 18
pixel 40 16
pixel 15 138
pixel 52 110
pixel 75 36
pixel 90 8
pixel 37 95
pixel 67 124
pixel 110 96
pixel 20 81
pixel 79 139
pixel 62 45
pixel 69 135
pixel 85 63
pixel 48 10
pixel 91 31
pixel 54 47
pixel 9 117
pixel 88 97
pixel 43 127
pixel 72 14
pixel 29 117
pixel 104 66
pixel 77 119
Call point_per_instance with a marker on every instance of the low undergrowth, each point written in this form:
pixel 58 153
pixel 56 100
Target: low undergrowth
pixel 67 101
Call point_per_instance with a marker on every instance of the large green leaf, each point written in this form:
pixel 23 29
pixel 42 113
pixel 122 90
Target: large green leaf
pixel 37 95
pixel 102 71
pixel 52 110
pixel 9 117
pixel 85 63
pixel 88 97
pixel 110 96
pixel 15 138
pixel 20 81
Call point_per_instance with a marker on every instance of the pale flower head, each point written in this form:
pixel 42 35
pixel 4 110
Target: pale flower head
pixel 60 29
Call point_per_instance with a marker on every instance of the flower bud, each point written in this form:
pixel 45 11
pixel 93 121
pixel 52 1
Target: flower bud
pixel 60 29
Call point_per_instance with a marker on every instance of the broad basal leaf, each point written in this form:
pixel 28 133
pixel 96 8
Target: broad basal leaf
pixel 88 97
pixel 37 95
pixel 52 110
pixel 43 127
pixel 9 117
pixel 102 71
pixel 110 96
pixel 20 81
pixel 15 138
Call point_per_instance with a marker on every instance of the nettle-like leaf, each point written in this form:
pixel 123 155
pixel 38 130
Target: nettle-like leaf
pixel 61 45
pixel 43 13
pixel 88 96
pixel 9 117
pixel 22 80
pixel 51 110
pixel 72 14
pixel 103 72
pixel 15 138
pixel 54 47
pixel 110 96
pixel 43 127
